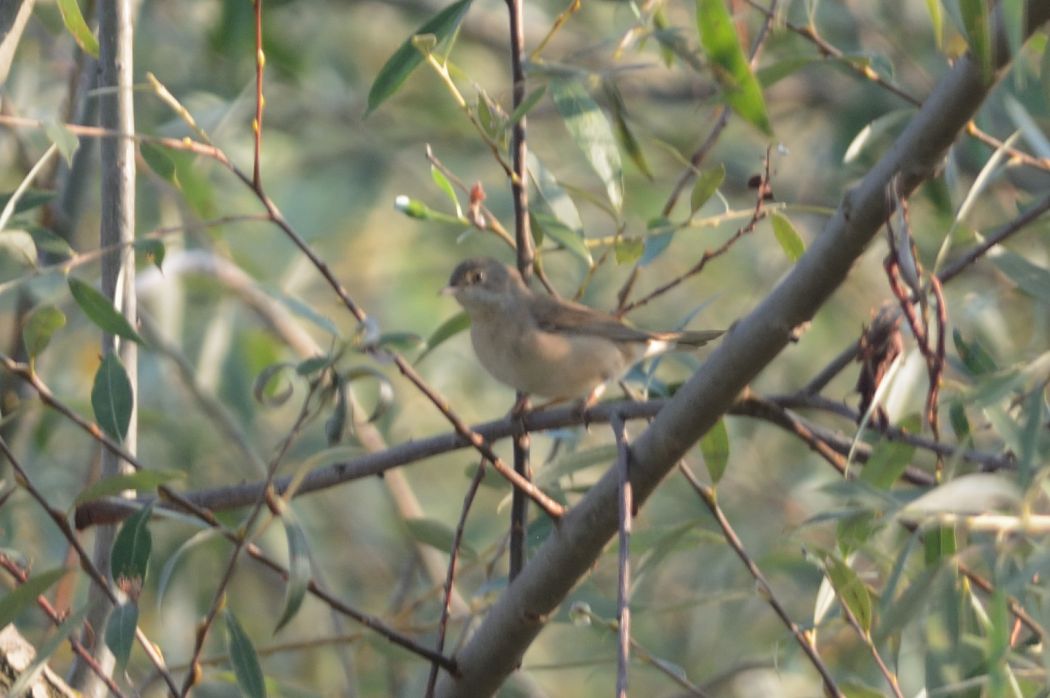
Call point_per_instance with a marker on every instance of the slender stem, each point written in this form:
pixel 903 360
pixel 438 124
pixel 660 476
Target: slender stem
pixel 623 587
pixel 707 496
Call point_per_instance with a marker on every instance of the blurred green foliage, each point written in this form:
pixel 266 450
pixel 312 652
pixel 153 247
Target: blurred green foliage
pixel 628 95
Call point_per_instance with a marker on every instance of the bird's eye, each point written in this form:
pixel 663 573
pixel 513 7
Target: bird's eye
pixel 475 277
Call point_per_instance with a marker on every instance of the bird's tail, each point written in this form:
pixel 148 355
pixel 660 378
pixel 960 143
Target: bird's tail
pixel 691 338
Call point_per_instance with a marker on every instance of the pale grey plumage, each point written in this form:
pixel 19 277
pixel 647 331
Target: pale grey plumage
pixel 547 346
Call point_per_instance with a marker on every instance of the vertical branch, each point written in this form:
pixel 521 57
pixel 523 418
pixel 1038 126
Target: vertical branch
pixel 623 591
pixel 260 63
pixel 116 113
pixel 526 255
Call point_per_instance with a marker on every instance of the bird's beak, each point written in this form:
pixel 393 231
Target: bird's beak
pixel 447 291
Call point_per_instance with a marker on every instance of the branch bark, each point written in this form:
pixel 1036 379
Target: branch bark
pixel 117 113
pixel 498 644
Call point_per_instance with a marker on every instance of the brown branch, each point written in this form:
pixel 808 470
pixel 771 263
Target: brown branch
pixel 623 586
pixel 457 539
pixel 805 641
pixel 21 576
pixel 87 562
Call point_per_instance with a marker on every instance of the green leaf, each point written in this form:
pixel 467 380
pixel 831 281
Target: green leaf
pixel 145 480
pixel 553 193
pixel 978 30
pixel 62 137
pixel 530 101
pixel 120 632
pixel 936 21
pixel 132 548
pixel 46 649
pixel 957 418
pixel 974 356
pixel 624 135
pixel 30 199
pixel 168 571
pixel 100 311
pixel 565 236
pixel 729 64
pixel 661 232
pixel 298 567
pixel 154 250
pixel 1030 278
pixel 384 394
pixel 442 181
pixel 886 464
pixel 266 390
pixel 436 534
pixel 789 239
pixel 939 544
pixel 714 445
pixel 628 250
pixel 705 186
pixel 243 658
pixel 77 27
pixel 449 328
pixel 160 162
pixel 112 398
pixel 407 57
pixel 591 132
pixel 39 327
pixel 23 595
pixel 851 590
pixel 49 243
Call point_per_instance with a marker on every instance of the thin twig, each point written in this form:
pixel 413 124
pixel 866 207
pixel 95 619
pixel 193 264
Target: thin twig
pixel 244 534
pixel 707 496
pixel 623 587
pixel 21 576
pixel 457 539
pixel 86 561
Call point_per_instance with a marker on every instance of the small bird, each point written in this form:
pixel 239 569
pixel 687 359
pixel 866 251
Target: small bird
pixel 546 346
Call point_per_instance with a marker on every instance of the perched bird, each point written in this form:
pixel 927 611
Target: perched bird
pixel 546 346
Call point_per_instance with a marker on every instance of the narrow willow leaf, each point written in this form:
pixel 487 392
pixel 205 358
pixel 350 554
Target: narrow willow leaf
pixel 22 596
pixel 936 21
pixel 976 21
pixel 628 250
pixel 44 651
pixel 384 394
pixel 789 239
pixel 266 389
pixel 100 311
pixel 851 591
pixel 974 356
pixel 446 186
pixel 887 462
pixel 591 132
pixel 39 327
pixel 957 418
pixel 729 64
pixel 298 567
pixel 407 57
pixel 553 193
pixel 562 234
pixel 62 137
pixel 154 251
pixel 120 632
pixel 530 101
pixel 145 480
pixel 159 161
pixel 132 548
pixel 1030 278
pixel 714 445
pixel 168 571
pixel 449 328
pixel 244 659
pixel 30 199
pixel 705 186
pixel 436 534
pixel 112 398
pixel 77 27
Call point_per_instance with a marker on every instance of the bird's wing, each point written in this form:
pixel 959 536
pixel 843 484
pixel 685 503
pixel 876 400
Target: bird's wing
pixel 557 315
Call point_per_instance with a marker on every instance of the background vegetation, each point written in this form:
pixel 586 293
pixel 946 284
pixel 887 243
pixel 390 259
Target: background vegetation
pixel 883 566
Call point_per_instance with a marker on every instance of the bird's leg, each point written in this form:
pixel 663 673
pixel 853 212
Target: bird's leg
pixel 583 407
